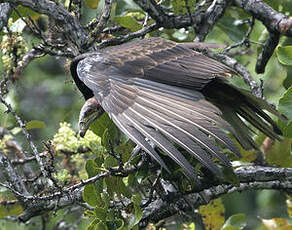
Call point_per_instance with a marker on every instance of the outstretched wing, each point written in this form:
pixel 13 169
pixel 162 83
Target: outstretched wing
pixel 146 92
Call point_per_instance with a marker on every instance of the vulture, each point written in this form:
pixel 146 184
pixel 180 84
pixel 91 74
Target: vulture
pixel 163 94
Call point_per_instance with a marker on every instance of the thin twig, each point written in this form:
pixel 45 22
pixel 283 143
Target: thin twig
pixel 245 41
pixel 25 132
pixel 101 22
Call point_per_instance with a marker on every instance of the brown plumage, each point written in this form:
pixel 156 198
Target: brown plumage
pixel 168 93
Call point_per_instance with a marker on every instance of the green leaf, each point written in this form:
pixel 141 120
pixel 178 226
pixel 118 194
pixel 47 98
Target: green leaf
pixel 25 12
pixel 99 125
pixel 284 54
pixel 99 161
pixel 15 131
pixel 93 225
pixel 91 196
pixel 230 176
pixel 99 185
pixel 101 226
pixel 236 222
pixel 124 189
pixel 92 4
pixel 91 168
pixel 181 6
pixel 111 184
pixel 288 80
pixel 106 199
pixel 128 22
pixel 119 224
pixel 125 149
pixel 191 226
pixel 228 25
pixel 34 124
pixel 287 131
pixel 285 104
pixel 213 214
pixel 100 213
pixel 110 162
pixel 106 139
pixel 132 180
pixel 102 124
pixel 9 210
pixel 279 153
pixel 289 206
pixel 136 199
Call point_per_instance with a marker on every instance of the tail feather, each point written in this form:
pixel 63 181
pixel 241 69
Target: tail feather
pixel 243 132
pixel 262 104
pixel 248 114
pixel 238 104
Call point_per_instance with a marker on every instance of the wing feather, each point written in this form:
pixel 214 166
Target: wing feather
pixel 151 89
pixel 194 115
pixel 164 144
pixel 139 139
pixel 165 119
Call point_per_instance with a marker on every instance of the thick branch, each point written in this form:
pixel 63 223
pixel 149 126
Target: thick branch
pixel 5 11
pixel 154 10
pixel 27 58
pixel 72 29
pixel 274 21
pixel 36 207
pixel 251 177
pixel 267 52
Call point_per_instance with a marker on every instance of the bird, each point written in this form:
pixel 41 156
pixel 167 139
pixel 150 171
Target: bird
pixel 163 94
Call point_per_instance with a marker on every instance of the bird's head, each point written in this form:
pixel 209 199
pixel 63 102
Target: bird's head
pixel 90 111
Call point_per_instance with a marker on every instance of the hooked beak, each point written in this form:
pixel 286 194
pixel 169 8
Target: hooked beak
pixel 90 111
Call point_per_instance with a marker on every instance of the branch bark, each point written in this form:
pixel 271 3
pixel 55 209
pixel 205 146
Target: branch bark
pixel 274 21
pixel 251 178
pixel 72 28
pixel 5 11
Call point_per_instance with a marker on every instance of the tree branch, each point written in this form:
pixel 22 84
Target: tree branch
pixel 5 12
pixel 251 178
pixel 274 21
pixel 240 69
pixel 128 37
pixel 101 23
pixel 25 132
pixel 211 16
pixel 267 52
pixel 11 175
pixel 72 29
pixel 169 21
